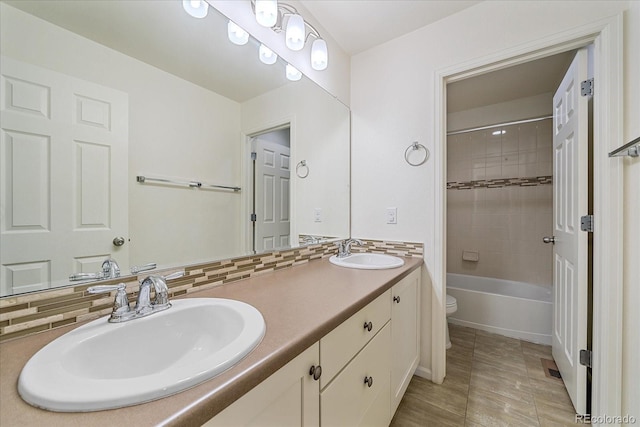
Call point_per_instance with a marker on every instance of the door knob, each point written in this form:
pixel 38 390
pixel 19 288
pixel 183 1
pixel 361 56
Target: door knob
pixel 551 239
pixel 118 241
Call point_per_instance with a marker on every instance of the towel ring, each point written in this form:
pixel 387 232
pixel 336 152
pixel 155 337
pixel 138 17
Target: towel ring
pixel 413 147
pixel 302 165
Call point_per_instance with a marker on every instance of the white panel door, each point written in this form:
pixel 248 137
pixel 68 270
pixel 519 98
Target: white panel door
pixel 273 173
pixel 570 194
pixel 63 176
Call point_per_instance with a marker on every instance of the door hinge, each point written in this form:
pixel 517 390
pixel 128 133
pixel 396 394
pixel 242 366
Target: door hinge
pixel 253 218
pixel 586 87
pixel 586 223
pixel 253 155
pixel 585 358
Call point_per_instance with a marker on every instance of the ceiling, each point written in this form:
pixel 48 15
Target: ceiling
pixel 161 34
pixel 358 25
pixel 519 81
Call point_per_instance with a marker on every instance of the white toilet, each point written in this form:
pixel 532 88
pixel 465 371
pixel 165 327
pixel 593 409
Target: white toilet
pixel 452 307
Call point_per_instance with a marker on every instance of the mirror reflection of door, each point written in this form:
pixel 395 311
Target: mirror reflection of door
pixel 271 179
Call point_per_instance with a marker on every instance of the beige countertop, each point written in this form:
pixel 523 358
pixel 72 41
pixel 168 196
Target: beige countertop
pixel 300 305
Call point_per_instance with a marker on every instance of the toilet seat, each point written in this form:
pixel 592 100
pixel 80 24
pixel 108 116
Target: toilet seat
pixel 452 304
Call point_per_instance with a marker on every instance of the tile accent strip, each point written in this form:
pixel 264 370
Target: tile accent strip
pixel 406 249
pixel 500 182
pixel 27 314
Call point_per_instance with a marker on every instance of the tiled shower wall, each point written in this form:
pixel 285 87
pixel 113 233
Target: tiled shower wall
pixel 493 210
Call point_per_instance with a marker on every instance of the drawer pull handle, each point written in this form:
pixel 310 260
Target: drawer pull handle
pixel 315 372
pixel 368 381
pixel 396 299
pixel 368 326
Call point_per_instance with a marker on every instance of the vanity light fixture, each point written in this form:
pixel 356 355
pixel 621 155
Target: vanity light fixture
pixel 267 56
pixel 196 8
pixel 499 132
pixel 293 74
pixel 281 17
pixel 266 12
pixel 236 34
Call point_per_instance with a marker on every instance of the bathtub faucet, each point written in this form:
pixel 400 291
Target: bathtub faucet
pixel 344 247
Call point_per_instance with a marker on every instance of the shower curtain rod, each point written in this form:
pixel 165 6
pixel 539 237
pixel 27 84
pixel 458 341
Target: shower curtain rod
pixel 516 122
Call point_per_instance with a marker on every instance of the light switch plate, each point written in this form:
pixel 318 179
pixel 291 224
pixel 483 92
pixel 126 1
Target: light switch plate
pixel 317 215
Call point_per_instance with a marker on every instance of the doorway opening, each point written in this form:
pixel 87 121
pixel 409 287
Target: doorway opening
pixel 500 202
pixel 270 218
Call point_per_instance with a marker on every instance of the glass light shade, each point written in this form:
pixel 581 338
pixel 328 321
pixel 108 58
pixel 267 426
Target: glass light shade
pixel 267 12
pixel 236 34
pixel 295 32
pixel 267 56
pixel 293 74
pixel 319 55
pixel 196 8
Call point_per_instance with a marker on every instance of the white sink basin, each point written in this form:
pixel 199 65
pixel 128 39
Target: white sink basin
pixel 105 365
pixel 367 261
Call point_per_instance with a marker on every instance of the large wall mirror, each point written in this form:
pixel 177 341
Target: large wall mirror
pixel 97 94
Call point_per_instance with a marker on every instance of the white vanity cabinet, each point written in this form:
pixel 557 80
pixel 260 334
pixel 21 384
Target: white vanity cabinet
pixel 366 365
pixel 289 397
pixel 405 335
pixel 356 363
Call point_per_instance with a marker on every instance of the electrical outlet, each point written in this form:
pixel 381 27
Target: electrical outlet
pixel 392 215
pixel 317 215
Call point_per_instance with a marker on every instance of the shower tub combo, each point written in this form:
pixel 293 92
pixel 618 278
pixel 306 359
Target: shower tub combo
pixel 514 309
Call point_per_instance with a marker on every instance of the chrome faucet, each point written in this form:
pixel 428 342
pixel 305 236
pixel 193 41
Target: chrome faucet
pixel 344 247
pixel 110 270
pixel 123 312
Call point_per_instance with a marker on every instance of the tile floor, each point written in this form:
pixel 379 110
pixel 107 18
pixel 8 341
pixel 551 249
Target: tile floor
pixel 491 381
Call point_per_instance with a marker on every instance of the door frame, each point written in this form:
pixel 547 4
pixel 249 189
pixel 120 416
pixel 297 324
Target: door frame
pixel 247 174
pixel 606 36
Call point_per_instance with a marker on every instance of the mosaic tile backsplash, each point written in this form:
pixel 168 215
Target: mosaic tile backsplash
pixel 27 314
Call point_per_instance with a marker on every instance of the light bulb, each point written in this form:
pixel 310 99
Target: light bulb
pixel 319 55
pixel 267 56
pixel 267 12
pixel 292 73
pixel 295 32
pixel 196 8
pixel 236 34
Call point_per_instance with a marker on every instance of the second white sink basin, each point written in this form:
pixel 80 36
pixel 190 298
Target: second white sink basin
pixel 368 261
pixel 105 365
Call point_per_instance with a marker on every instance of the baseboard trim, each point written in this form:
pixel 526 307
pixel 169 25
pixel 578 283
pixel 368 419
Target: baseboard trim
pixel 423 373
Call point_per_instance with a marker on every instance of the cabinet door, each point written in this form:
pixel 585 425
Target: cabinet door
pixel 289 397
pixel 346 340
pixel 348 400
pixel 405 335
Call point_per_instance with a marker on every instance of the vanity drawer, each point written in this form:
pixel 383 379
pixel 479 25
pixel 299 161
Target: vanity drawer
pixel 348 400
pixel 339 346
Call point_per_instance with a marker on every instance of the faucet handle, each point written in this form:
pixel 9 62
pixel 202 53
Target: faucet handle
pixel 86 276
pixel 146 267
pixel 174 275
pixel 103 289
pixel 120 303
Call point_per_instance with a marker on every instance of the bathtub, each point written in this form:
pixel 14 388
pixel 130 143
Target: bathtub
pixel 514 309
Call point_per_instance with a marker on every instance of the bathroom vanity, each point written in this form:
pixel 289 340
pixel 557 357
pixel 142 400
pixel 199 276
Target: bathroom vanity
pixel 340 347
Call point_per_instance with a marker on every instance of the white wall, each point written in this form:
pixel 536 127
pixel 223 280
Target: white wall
pixel 334 79
pixel 320 136
pixel 393 104
pixel 176 129
pixel 631 274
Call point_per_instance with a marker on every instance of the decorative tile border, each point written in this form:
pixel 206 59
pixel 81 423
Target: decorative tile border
pixel 27 314
pixel 406 249
pixel 501 182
